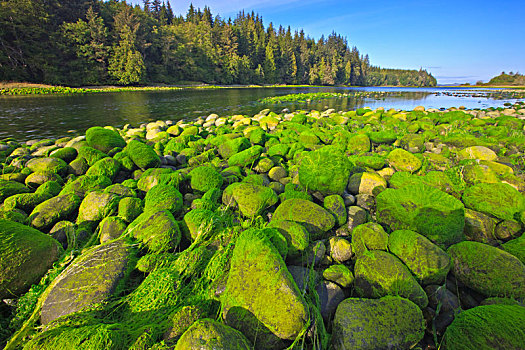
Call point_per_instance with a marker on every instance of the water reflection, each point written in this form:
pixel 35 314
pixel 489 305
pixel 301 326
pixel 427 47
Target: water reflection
pixel 26 117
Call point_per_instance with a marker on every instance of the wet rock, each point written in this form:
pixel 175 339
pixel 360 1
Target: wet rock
pixel 208 334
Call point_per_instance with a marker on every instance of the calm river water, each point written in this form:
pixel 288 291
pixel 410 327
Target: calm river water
pixel 31 117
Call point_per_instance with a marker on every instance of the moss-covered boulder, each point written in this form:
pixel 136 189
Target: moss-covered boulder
pixel 142 155
pixel 104 139
pixel 85 184
pixel 67 154
pixel 424 209
pixel 38 178
pixel 107 167
pixel 311 216
pixel 295 234
pixel 208 334
pixel 477 152
pixel 258 275
pixel 497 199
pixel 335 205
pixel 56 209
pixel 487 327
pixel 89 280
pixel 198 221
pixel 246 158
pixel 97 205
pixel 386 323
pixel 163 197
pixel 369 236
pixel 251 199
pixel 429 263
pixel 90 155
pixel 205 178
pixel 111 228
pixel 339 274
pixel 10 188
pixel 155 176
pixel 25 201
pixel 158 231
pixel 479 227
pixel 516 247
pixel 325 170
pixel 488 270
pixel 402 160
pixel 359 144
pixel 52 165
pixel 25 256
pixel 129 208
pixel 378 273
pixel 232 146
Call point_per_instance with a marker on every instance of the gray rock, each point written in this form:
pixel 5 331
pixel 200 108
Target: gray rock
pixel 330 296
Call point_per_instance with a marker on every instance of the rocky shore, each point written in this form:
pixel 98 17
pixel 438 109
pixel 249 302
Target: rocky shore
pixel 366 229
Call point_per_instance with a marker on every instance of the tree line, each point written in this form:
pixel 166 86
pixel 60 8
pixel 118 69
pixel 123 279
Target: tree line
pixel 94 42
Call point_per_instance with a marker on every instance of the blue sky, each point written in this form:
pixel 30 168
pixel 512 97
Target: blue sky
pixel 457 41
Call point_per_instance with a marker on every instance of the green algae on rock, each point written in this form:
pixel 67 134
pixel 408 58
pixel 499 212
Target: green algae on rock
pixel 104 139
pixel 487 327
pixel 424 209
pixel 251 199
pixel 295 234
pixel 429 263
pixel 53 210
pixel 96 206
pixel 163 197
pixel 403 160
pixel 86 183
pixel 208 334
pixel 498 199
pixel 10 188
pixel 25 256
pixel 257 275
pixel 310 215
pixel 388 322
pixel 325 170
pixel 488 270
pixel 142 155
pixel 157 230
pixel 98 273
pixel 369 236
pixel 205 178
pixel 378 273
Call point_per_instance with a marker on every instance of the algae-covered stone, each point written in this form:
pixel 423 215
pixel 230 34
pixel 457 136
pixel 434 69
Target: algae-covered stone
pixel 325 170
pixel 111 228
pixel 25 256
pixel 155 176
pixel 429 263
pixel 479 227
pixel 498 199
pixel 402 160
pixel 310 215
pixel 205 178
pixel 208 334
pixel 339 274
pixel 85 184
pixel 246 158
pixel 89 280
pixel 359 144
pixel 53 165
pixel 67 154
pixel 97 205
pixel 25 201
pixel 487 327
pixel 257 276
pixel 335 204
pixel 163 197
pixel 158 231
pixel 107 167
pixel 516 247
pixel 142 155
pixel 369 236
pixel 199 220
pixel 488 270
pixel 121 190
pixel 478 152
pixel 373 162
pixel 424 209
pixel 90 155
pixel 129 208
pixel 251 199
pixel 56 209
pixel 41 177
pixel 386 323
pixel 383 136
pixel 365 183
pixel 104 139
pixel 378 273
pixel 10 188
pixel 233 146
pixel 340 249
pixel 295 234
